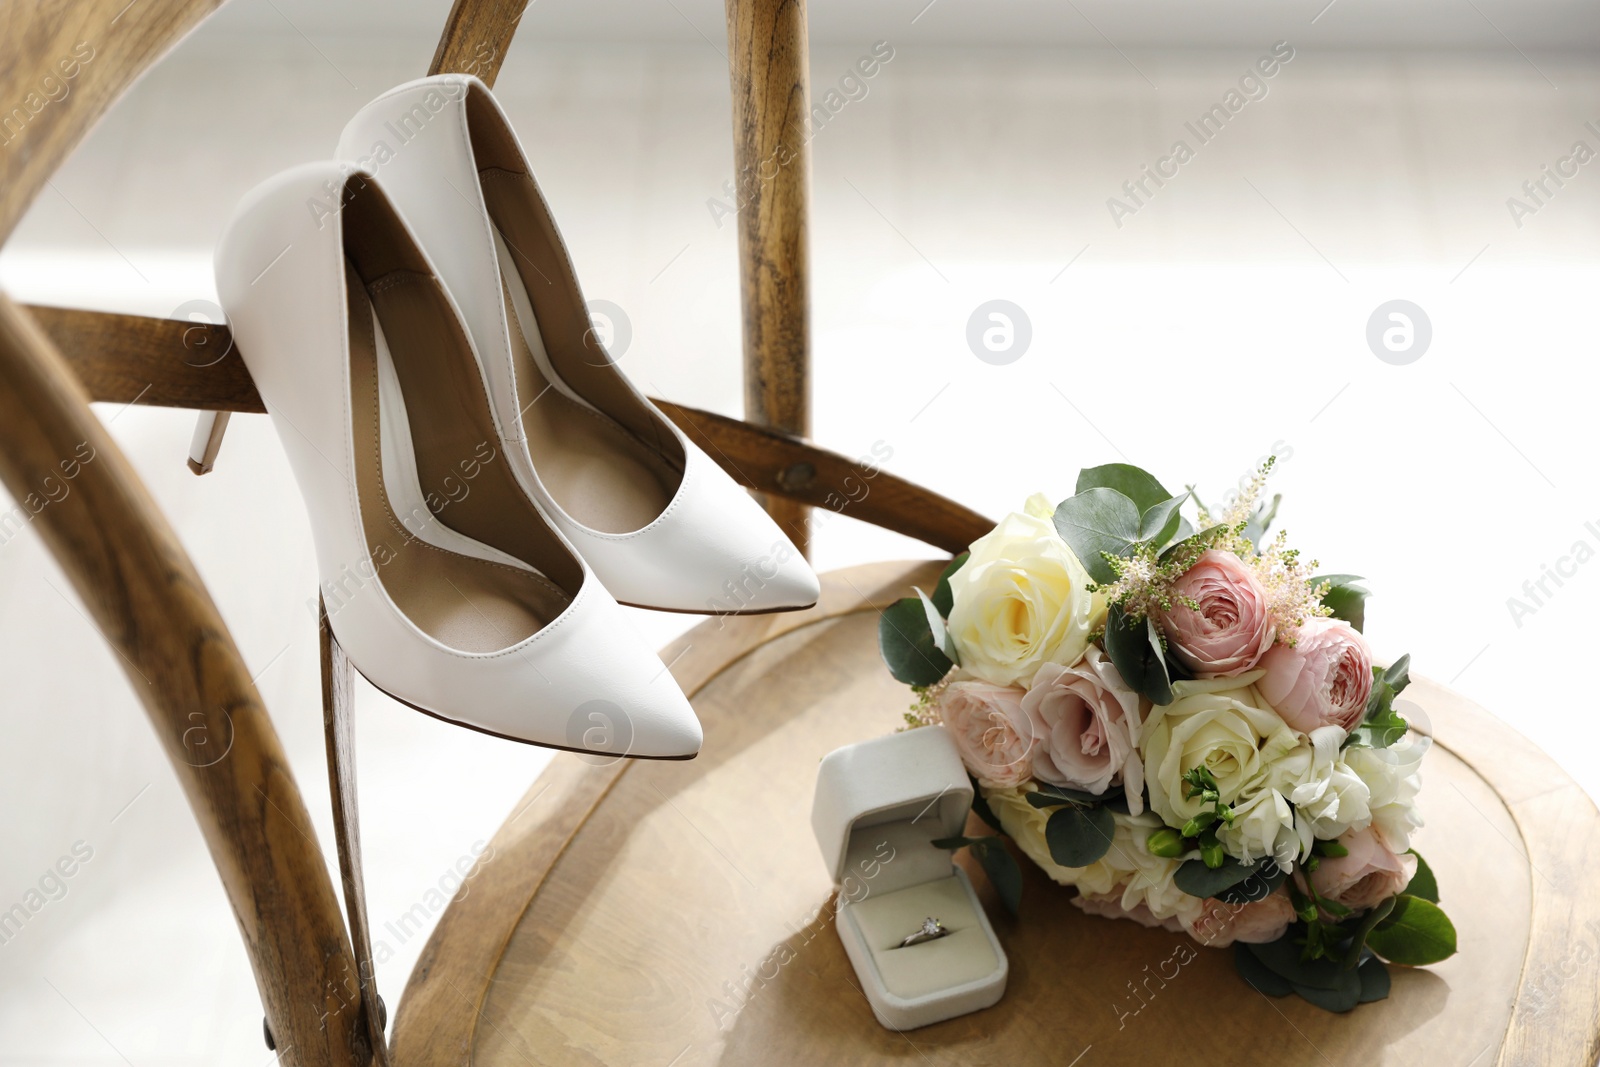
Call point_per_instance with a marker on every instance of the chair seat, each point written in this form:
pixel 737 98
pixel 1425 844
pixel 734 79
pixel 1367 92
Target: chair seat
pixel 679 913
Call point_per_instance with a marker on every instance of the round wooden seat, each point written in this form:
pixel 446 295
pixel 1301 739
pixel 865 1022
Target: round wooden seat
pixel 666 913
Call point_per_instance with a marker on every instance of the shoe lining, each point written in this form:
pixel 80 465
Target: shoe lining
pixel 461 566
pixel 599 473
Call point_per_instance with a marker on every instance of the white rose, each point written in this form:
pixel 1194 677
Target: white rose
pixel 1264 826
pixel 1330 797
pixel 1222 725
pixel 1128 868
pixel 1393 776
pixel 1022 599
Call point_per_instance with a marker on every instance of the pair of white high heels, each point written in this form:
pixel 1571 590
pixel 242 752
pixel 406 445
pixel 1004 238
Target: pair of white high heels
pixel 484 484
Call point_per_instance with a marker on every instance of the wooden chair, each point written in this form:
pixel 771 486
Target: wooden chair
pixel 677 913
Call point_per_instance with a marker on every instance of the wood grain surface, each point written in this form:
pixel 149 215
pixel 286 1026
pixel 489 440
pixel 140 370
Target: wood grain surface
pixel 767 66
pixel 169 363
pixel 681 913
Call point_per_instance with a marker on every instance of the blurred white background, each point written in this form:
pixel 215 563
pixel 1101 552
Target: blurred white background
pixel 1225 317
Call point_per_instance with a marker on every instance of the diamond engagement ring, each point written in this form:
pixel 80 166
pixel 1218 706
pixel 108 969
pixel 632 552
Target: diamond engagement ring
pixel 930 930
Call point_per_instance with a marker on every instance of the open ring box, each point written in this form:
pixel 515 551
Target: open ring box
pixel 879 807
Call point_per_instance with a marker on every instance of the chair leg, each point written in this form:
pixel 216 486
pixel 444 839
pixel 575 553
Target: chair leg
pixel 339 731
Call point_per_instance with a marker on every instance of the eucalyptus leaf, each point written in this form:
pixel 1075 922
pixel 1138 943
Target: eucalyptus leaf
pixel 1343 997
pixel 1282 957
pixel 1138 485
pixel 980 808
pixel 1345 597
pixel 943 598
pixel 1198 880
pixel 1135 651
pixel 1423 883
pixel 906 642
pixel 1416 933
pixel 1079 836
pixel 1004 873
pixel 1374 975
pixel 1261 883
pixel 1194 540
pixel 1098 521
pixel 936 626
pixel 1159 524
pixel 1258 974
pixel 1051 796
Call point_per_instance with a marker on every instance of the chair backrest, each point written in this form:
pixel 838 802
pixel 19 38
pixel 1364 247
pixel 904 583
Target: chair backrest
pixel 128 567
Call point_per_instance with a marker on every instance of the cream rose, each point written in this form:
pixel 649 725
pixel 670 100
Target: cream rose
pixel 1087 722
pixel 1231 630
pixel 1323 680
pixel 1128 868
pixel 1021 600
pixel 992 733
pixel 1393 778
pixel 1369 874
pixel 1221 725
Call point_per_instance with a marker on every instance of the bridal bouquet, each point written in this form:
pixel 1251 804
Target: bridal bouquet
pixel 1183 722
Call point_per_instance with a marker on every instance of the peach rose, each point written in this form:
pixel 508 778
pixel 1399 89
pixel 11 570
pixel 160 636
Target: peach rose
pixel 1087 722
pixel 1367 876
pixel 1324 680
pixel 993 734
pixel 1220 924
pixel 1231 630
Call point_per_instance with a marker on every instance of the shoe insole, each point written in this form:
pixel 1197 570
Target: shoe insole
pixel 461 592
pixel 596 470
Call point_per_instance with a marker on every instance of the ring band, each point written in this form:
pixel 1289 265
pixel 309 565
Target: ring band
pixel 930 930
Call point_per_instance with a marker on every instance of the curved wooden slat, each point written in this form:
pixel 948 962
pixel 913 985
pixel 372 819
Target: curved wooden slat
pixel 169 363
pixel 64 63
pixel 476 37
pixel 148 602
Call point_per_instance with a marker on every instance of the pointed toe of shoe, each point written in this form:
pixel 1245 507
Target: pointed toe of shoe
pixel 793 587
pixel 664 725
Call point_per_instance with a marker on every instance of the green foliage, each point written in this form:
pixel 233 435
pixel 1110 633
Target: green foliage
pixel 1001 867
pixel 1423 883
pixel 1078 836
pixel 1416 933
pixel 907 643
pixel 1097 523
pixel 943 598
pixel 1134 646
pixel 1345 597
pixel 1382 725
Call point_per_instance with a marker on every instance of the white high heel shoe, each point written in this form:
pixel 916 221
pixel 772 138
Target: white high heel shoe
pixel 442 580
pixel 661 524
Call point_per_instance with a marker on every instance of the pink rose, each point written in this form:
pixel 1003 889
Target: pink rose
pixel 1324 680
pixel 1109 906
pixel 991 731
pixel 1369 875
pixel 1087 722
pixel 1231 630
pixel 1220 924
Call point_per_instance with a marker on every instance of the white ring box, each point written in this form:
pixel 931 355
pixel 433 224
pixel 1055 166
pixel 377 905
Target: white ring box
pixel 879 807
